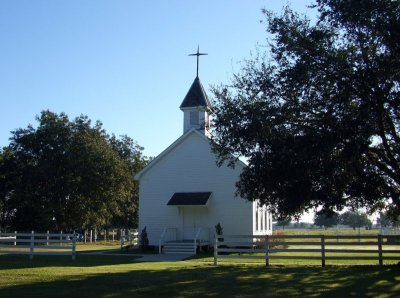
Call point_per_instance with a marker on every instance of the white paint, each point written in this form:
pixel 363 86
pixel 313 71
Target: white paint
pixel 188 165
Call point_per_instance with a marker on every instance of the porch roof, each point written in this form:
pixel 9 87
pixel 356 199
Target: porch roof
pixel 189 199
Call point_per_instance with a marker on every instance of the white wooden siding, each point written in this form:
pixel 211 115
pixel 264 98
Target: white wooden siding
pixel 190 167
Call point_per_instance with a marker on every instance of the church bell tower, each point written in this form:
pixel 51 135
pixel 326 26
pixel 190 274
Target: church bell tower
pixel 196 106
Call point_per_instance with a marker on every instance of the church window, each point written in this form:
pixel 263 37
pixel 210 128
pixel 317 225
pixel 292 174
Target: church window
pixel 194 118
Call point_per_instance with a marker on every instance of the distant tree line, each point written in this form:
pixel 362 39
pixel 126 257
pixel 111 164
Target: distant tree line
pixel 68 175
pixel 352 219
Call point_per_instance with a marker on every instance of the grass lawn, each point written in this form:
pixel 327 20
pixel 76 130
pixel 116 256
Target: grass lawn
pixel 120 276
pixel 123 276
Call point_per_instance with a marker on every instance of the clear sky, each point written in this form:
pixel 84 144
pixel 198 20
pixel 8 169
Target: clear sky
pixel 122 62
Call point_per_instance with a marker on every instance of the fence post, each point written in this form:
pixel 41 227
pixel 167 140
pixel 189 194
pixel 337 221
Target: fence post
pixel 32 245
pixel 47 238
pixel 323 250
pixel 267 251
pixel 15 235
pixel 122 239
pixel 380 256
pixel 130 237
pixel 74 247
pixel 216 250
pixel 61 237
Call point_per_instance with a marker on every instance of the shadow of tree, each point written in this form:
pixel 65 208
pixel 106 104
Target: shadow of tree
pixel 189 279
pixel 82 260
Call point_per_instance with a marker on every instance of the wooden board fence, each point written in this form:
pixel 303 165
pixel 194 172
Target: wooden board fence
pixel 322 247
pixel 129 238
pixel 38 244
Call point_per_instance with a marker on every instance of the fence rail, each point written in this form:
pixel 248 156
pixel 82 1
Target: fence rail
pixel 129 238
pixel 38 244
pixel 319 246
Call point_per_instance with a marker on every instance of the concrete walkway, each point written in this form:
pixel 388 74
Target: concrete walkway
pixel 145 257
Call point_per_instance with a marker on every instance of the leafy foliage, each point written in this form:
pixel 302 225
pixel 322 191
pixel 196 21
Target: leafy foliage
pixel 144 240
pixel 283 222
pixel 318 120
pixel 68 175
pixel 355 219
pixel 386 220
pixel 326 219
pixel 218 229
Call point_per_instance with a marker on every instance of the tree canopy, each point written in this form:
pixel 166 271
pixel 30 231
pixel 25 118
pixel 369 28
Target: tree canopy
pixel 355 219
pixel 326 219
pixel 68 175
pixel 317 116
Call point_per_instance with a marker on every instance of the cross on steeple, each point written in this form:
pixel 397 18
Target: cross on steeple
pixel 198 54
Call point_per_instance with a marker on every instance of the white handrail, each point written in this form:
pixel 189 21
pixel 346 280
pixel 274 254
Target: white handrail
pixel 161 240
pixel 195 240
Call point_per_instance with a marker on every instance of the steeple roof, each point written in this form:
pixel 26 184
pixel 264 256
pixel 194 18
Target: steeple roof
pixel 196 96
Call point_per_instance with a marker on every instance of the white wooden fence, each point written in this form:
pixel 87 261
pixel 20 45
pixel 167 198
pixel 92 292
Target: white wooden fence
pixel 38 244
pixel 313 247
pixel 129 238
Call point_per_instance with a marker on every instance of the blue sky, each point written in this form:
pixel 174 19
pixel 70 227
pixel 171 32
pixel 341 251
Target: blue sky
pixel 124 63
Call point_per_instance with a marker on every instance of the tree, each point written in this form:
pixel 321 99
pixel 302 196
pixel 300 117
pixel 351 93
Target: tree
pixel 355 219
pixel 385 220
pixel 131 153
pixel 318 120
pixel 326 219
pixel 6 174
pixel 69 175
pixel 283 222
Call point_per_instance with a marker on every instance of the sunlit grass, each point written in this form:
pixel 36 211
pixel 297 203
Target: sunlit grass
pixel 120 276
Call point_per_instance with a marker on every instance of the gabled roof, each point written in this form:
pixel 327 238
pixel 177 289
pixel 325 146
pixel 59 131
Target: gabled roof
pixel 189 199
pixel 171 147
pixel 196 96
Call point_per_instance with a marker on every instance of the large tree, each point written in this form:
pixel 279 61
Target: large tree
pixel 317 117
pixel 69 175
pixel 326 219
pixel 355 219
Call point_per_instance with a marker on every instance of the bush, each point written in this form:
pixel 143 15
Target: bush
pixel 144 240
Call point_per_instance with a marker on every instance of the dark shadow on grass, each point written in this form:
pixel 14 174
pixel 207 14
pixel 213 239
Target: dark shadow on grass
pixel 82 260
pixel 205 280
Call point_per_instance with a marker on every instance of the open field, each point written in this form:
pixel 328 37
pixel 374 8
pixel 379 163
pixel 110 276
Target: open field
pixel 119 276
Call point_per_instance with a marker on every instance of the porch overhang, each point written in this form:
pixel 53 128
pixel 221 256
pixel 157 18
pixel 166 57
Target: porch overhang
pixel 187 199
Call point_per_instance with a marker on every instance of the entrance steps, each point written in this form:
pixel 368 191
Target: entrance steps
pixel 179 247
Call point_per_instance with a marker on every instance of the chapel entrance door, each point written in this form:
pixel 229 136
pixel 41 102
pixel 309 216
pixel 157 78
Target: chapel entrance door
pixel 192 219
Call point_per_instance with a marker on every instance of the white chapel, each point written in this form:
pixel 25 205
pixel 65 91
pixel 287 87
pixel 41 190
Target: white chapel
pixel 183 194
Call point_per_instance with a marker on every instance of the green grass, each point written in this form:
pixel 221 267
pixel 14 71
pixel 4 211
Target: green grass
pixel 119 276
pixel 124 276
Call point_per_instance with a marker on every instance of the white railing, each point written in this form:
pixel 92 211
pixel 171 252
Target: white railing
pixel 201 236
pixel 129 239
pixel 162 238
pixel 195 240
pixel 38 244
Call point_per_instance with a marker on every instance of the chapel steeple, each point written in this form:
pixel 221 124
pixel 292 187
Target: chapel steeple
pixel 196 106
